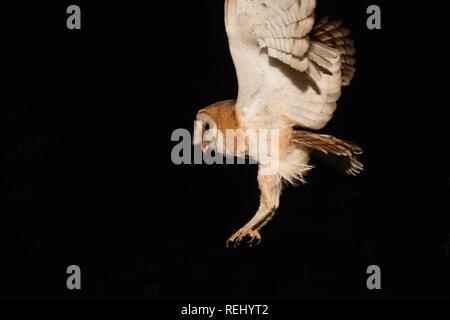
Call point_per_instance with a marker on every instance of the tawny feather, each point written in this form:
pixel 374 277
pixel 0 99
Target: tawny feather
pixel 331 34
pixel 329 144
pixel 290 71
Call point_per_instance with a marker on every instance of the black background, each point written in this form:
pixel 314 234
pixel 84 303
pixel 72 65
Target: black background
pixel 86 177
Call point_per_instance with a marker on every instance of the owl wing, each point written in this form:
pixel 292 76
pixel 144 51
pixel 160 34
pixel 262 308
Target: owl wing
pixel 288 68
pixel 346 151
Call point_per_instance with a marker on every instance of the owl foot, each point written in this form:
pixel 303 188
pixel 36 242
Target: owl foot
pixel 241 234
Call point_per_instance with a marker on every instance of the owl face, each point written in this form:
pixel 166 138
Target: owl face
pixel 205 131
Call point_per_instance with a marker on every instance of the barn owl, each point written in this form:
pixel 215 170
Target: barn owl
pixel 290 71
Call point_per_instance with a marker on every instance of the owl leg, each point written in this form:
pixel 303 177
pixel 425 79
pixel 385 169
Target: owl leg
pixel 270 187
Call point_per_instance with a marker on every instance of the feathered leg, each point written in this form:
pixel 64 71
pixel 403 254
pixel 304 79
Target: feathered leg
pixel 270 187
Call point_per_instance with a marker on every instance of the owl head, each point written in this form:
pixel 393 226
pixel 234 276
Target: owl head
pixel 212 122
pixel 205 130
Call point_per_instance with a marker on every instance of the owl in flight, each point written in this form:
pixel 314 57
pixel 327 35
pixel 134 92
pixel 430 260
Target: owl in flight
pixel 290 71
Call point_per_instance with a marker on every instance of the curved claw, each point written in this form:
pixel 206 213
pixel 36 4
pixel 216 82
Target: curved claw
pixel 230 241
pixel 258 237
pixel 239 236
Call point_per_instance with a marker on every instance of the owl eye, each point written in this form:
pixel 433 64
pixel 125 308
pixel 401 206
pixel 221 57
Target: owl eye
pixel 207 127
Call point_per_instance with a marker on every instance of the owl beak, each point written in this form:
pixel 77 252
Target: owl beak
pixel 197 139
pixel 205 146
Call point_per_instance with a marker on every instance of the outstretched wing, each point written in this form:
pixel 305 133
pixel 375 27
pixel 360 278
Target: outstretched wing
pixel 285 72
pixel 333 35
pixel 330 145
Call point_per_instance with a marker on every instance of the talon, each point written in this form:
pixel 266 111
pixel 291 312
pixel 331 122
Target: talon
pixel 237 243
pixel 258 236
pixel 238 237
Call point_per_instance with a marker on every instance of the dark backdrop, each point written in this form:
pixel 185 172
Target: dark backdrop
pixel 86 176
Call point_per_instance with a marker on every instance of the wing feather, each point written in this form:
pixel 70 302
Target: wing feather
pixel 331 145
pixel 331 34
pixel 287 65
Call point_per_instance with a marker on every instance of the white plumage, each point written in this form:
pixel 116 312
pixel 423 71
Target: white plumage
pixel 290 72
pixel 279 67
